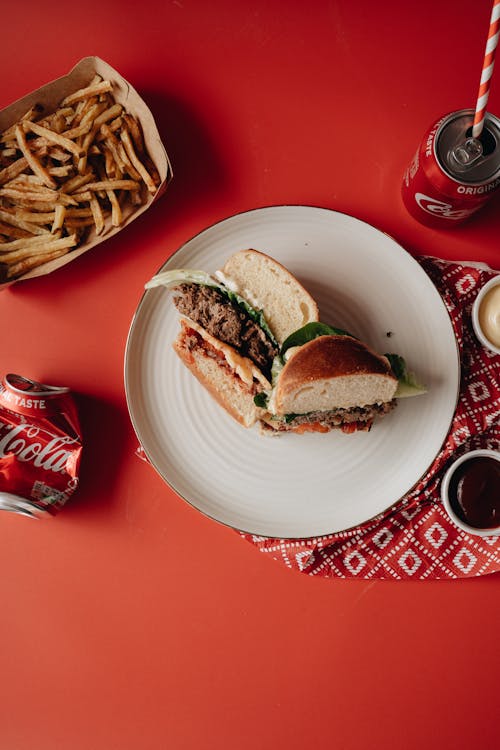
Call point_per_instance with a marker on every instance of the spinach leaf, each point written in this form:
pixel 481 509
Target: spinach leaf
pixel 309 332
pixel 261 399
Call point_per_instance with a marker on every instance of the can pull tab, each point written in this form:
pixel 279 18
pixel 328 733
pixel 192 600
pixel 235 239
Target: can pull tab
pixel 466 154
pixel 23 385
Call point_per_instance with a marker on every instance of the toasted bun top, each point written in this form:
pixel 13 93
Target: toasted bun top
pixel 332 372
pixel 269 286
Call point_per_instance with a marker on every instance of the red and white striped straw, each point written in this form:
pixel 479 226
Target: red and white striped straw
pixel 487 72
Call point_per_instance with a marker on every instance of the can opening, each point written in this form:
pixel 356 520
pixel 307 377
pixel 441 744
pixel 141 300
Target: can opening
pixel 465 159
pixel 488 141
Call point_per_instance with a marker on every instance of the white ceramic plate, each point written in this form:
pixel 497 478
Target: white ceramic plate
pixel 298 485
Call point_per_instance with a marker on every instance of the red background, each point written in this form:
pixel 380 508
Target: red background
pixel 132 621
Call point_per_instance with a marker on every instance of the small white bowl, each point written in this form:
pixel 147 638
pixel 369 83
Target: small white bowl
pixel 445 486
pixel 495 281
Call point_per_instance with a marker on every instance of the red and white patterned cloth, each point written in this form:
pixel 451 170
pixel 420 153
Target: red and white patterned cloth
pixel 415 539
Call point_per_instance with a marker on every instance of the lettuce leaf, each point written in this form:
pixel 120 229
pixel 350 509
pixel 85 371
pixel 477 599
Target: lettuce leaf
pixel 408 384
pixel 182 276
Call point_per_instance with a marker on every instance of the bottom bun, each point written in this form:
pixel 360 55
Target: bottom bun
pixel 232 380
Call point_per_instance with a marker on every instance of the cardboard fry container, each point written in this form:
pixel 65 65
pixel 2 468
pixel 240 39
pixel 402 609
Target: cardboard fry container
pixel 50 97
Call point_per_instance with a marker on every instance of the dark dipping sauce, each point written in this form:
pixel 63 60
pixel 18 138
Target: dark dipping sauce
pixel 474 492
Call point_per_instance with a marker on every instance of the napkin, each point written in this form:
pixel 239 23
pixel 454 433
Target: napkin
pixel 415 539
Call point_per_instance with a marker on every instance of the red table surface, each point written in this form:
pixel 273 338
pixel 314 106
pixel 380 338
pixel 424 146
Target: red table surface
pixel 131 620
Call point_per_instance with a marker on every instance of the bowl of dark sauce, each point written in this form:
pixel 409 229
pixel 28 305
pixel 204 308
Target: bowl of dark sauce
pixel 470 491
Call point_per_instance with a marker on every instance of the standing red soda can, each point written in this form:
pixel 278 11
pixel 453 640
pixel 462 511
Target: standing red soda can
pixel 40 446
pixel 452 174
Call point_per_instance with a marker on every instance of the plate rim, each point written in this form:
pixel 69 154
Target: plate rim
pixel 175 252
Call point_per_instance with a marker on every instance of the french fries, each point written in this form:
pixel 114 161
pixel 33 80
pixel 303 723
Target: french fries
pixel 68 172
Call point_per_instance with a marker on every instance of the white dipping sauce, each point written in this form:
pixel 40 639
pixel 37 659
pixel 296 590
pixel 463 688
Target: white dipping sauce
pixel 489 315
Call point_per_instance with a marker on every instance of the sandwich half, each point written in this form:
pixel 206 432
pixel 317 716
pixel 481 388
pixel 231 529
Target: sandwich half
pixel 233 324
pixel 331 381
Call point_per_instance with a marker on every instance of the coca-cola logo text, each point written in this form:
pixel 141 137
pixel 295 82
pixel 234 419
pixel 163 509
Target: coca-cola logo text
pixel 439 208
pixel 32 444
pixel 479 189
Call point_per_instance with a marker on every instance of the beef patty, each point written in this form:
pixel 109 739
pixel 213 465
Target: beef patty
pixel 226 321
pixel 337 417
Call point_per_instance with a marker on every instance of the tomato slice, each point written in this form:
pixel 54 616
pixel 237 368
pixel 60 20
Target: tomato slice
pixel 310 427
pixel 355 426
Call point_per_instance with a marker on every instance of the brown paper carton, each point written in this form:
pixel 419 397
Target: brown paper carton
pixel 50 96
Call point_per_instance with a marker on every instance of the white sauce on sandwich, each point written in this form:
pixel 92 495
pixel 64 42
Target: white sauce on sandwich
pixel 252 299
pixel 232 285
pixel 247 294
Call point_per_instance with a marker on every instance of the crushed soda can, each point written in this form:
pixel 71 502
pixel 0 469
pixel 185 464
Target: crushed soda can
pixel 40 446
